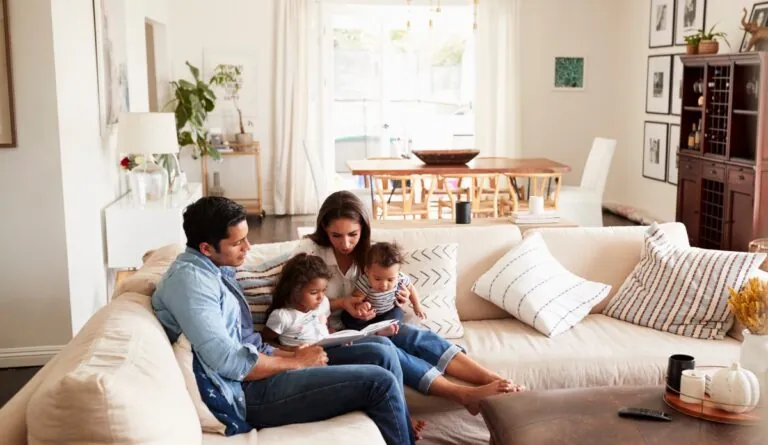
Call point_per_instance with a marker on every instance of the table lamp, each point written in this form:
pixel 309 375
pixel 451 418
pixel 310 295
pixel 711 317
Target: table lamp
pixel 148 134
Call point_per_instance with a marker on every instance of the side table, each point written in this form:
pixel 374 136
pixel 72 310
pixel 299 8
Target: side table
pixel 253 205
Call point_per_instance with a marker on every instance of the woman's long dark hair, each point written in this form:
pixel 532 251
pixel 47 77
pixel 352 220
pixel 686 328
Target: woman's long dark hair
pixel 297 272
pixel 338 205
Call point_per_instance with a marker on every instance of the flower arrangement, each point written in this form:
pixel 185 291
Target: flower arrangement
pixel 130 162
pixel 750 305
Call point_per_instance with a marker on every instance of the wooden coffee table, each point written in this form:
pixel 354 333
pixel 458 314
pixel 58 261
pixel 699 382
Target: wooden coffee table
pixel 589 416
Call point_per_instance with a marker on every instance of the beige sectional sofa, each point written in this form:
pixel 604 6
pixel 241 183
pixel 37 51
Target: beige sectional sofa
pixel 118 381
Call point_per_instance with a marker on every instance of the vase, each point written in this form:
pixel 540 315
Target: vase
pixel 754 357
pixel 216 190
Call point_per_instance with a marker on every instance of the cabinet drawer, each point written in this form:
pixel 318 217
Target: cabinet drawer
pixel 713 171
pixel 741 178
pixel 689 168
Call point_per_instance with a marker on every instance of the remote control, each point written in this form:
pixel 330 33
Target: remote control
pixel 644 413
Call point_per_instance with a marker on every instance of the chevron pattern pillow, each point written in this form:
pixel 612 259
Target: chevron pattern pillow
pixel 433 273
pixel 257 281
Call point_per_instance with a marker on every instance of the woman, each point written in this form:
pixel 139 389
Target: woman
pixel 342 236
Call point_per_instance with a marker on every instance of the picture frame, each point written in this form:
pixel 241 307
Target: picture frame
pixel 655 142
pixel 759 12
pixel 661 27
pixel 673 151
pixel 109 18
pixel 658 84
pixel 7 106
pixel 676 105
pixel 570 73
pixel 690 17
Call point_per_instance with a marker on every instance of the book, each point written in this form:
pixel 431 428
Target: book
pixel 351 335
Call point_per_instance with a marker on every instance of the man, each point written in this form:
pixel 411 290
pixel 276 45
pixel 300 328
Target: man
pixel 246 383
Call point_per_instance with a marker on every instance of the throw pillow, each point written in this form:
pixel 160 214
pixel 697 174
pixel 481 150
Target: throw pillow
pixel 532 286
pixel 682 290
pixel 433 274
pixel 257 281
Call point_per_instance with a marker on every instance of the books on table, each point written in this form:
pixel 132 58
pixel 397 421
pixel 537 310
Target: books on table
pixel 526 217
pixel 350 335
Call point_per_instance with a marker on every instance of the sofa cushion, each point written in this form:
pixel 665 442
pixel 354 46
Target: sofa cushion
pixel 155 263
pixel 682 290
pixel 113 382
pixel 257 281
pixel 603 254
pixel 534 288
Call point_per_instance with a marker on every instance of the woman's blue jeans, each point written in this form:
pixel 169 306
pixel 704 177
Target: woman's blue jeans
pixel 365 376
pixel 423 355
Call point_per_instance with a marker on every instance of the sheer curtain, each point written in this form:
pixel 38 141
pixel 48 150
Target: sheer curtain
pixel 498 115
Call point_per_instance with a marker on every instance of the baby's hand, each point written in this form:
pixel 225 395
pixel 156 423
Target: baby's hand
pixel 420 312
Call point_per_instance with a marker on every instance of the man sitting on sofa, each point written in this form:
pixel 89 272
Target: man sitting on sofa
pixel 246 383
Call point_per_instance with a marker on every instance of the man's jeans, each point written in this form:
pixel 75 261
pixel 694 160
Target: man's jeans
pixel 365 376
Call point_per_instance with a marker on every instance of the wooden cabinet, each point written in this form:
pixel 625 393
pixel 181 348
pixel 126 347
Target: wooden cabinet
pixel 722 193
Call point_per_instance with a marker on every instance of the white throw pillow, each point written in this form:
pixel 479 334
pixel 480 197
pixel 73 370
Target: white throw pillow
pixel 531 285
pixel 433 273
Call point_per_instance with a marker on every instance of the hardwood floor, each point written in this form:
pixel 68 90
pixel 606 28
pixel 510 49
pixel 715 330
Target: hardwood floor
pixel 272 229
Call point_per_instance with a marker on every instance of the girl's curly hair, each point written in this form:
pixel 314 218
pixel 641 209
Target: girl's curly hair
pixel 297 273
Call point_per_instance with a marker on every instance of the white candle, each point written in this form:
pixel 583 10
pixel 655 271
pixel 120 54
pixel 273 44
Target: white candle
pixel 536 205
pixel 692 385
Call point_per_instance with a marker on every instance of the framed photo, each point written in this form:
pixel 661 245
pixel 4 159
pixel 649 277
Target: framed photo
pixel 677 85
pixel 112 61
pixel 658 85
pixel 570 74
pixel 7 109
pixel 759 15
pixel 673 151
pixel 689 19
pixel 655 143
pixel 662 24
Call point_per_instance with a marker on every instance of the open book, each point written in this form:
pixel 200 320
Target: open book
pixel 350 335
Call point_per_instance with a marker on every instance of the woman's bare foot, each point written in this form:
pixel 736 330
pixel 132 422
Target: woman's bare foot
pixel 473 395
pixel 418 427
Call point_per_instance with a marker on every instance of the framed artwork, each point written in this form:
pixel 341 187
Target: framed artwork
pixel 759 14
pixel 7 109
pixel 570 74
pixel 112 61
pixel 689 19
pixel 662 24
pixel 658 85
pixel 673 150
pixel 655 141
pixel 677 85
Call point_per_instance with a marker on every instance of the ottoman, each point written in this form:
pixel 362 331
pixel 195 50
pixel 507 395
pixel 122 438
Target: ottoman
pixel 590 416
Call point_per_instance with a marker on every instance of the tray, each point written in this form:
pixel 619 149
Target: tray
pixel 445 157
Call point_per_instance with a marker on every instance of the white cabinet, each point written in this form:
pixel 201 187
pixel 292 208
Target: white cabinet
pixel 133 229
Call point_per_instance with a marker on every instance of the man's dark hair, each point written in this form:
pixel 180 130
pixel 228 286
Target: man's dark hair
pixel 384 254
pixel 208 220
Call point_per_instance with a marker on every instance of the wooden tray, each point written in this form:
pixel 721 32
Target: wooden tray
pixel 706 410
pixel 445 157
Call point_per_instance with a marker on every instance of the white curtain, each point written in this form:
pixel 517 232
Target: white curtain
pixel 498 117
pixel 292 179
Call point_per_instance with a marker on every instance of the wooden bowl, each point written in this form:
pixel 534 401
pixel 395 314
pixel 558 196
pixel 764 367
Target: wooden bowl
pixel 445 157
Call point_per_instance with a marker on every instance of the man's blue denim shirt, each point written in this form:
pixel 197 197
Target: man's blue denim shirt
pixel 204 302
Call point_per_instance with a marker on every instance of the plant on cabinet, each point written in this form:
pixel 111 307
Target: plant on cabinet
pixel 230 77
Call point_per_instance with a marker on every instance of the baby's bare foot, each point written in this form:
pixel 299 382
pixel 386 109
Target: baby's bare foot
pixel 388 332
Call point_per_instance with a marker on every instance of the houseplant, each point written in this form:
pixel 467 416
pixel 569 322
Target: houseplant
pixel 750 307
pixel 692 43
pixel 230 78
pixel 192 102
pixel 707 40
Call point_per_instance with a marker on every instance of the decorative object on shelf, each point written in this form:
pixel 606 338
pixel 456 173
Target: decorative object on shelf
pixel 147 134
pixel 693 384
pixel 708 43
pixel 690 17
pixel 230 78
pixel 193 101
pixel 112 61
pixel 735 389
pixel 7 108
pixel 570 74
pixel 445 157
pixel 692 44
pixel 750 308
pixel 676 106
pixel 655 150
pixel 216 189
pixel 661 27
pixel 673 147
pixel 658 85
pixel 760 245
pixel 757 27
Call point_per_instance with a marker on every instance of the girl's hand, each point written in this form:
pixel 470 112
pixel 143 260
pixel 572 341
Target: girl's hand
pixel 402 296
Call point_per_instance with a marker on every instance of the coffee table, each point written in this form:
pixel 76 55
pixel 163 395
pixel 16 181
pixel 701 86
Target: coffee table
pixel 589 416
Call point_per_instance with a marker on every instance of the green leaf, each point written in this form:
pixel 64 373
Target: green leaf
pixel 195 71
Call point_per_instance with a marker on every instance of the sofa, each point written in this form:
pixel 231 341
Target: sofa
pixel 118 380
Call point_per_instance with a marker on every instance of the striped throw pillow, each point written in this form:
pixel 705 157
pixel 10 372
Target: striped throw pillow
pixel 532 286
pixel 682 290
pixel 257 282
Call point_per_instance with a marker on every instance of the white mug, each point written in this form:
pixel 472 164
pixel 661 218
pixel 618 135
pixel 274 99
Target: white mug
pixel 536 205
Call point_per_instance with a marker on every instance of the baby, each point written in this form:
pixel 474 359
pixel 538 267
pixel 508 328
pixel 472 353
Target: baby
pixel 379 284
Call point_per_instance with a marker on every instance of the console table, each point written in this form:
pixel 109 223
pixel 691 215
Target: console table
pixel 253 205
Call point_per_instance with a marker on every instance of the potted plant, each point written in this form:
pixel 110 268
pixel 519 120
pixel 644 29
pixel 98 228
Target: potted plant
pixel 230 78
pixel 707 41
pixel 192 102
pixel 692 43
pixel 749 306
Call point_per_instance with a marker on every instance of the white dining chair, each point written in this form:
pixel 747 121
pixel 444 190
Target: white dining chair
pixel 583 204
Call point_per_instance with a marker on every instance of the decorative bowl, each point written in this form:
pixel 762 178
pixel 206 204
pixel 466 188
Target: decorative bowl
pixel 445 157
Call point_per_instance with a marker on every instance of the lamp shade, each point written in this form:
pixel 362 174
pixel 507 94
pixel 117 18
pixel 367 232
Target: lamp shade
pixel 147 133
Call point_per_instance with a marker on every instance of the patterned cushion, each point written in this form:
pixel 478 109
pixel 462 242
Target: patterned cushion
pixel 433 274
pixel 531 285
pixel 257 281
pixel 682 290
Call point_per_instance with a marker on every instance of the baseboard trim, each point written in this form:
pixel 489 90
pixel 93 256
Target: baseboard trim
pixel 30 356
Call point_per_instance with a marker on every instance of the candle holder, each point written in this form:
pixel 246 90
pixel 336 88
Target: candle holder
pixel 760 245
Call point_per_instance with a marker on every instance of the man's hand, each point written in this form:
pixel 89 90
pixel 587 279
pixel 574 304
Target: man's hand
pixel 311 356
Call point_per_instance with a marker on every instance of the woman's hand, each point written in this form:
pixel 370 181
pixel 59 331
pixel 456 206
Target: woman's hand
pixel 402 296
pixel 358 308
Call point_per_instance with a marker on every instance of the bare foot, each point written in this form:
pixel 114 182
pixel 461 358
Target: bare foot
pixel 473 396
pixel 418 427
pixel 390 331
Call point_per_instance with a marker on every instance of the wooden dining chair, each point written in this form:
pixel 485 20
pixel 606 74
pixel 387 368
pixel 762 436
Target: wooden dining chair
pixel 406 201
